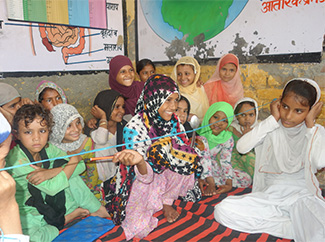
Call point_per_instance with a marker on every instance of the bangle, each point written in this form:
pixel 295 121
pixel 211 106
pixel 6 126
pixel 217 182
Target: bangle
pixel 102 122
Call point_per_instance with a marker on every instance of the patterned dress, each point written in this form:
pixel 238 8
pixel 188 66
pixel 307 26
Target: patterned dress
pixel 90 175
pixel 172 165
pixel 217 164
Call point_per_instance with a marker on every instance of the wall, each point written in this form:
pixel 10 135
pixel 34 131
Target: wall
pixel 261 81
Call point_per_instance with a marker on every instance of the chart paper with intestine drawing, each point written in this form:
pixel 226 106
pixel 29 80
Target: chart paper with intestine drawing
pixel 47 47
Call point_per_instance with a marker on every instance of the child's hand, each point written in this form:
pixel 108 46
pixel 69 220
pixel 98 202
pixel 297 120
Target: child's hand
pixel 313 113
pixel 40 174
pixel 25 100
pixel 275 108
pixel 199 144
pixel 130 158
pixel 78 157
pixel 199 83
pixel 92 123
pixel 236 132
pixel 7 190
pixel 98 113
pixel 245 129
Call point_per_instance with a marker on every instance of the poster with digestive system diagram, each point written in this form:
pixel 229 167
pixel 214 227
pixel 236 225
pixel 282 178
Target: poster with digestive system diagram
pixel 45 47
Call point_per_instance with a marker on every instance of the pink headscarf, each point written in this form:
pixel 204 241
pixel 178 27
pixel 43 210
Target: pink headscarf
pixel 131 93
pixel 218 90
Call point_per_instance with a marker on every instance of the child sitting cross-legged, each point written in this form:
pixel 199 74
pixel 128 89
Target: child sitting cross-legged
pixel 216 144
pixel 50 193
pixel 246 118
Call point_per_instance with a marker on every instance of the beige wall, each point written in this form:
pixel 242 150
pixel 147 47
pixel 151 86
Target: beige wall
pixel 261 81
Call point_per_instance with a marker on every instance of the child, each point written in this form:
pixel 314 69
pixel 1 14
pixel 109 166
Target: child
pixel 225 84
pixel 160 174
pixel 50 196
pixel 50 94
pixel 9 211
pixel 286 200
pixel 121 79
pixel 67 135
pixel 10 101
pixel 182 112
pixel 109 109
pixel 217 148
pixel 145 69
pixel 246 118
pixel 186 74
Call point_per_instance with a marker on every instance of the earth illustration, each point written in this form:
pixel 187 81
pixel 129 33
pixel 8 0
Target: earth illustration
pixel 171 19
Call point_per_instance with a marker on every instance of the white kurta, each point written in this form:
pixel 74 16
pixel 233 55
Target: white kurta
pixel 284 204
pixel 103 138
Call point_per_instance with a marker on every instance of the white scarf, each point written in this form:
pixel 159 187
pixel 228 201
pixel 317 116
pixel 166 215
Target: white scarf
pixel 235 122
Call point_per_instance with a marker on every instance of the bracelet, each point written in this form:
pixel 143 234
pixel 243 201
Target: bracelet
pixel 102 122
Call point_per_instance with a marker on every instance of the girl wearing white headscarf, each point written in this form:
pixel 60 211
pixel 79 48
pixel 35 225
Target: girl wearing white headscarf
pixel 286 200
pixel 65 116
pixel 196 95
pixel 246 118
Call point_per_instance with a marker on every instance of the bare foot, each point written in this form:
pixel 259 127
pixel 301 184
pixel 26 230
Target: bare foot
pixel 170 213
pixel 101 212
pixel 211 187
pixel 79 212
pixel 210 190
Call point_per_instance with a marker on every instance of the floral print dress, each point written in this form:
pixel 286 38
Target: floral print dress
pixel 217 163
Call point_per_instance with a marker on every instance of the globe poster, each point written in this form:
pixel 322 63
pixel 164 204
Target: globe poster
pixel 208 29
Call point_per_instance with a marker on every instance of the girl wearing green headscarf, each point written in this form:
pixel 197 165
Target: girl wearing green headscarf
pixel 216 144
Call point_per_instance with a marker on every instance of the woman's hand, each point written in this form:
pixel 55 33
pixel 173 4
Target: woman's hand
pixel 313 113
pixel 275 108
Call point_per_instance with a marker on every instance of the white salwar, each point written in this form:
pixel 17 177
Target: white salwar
pixel 286 200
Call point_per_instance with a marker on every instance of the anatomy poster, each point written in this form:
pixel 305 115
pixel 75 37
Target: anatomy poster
pixel 47 47
pixel 169 29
